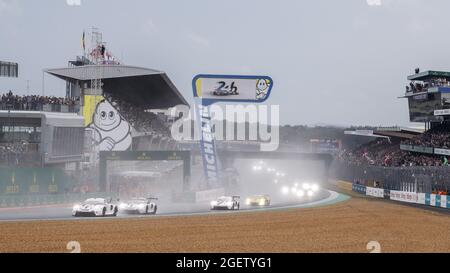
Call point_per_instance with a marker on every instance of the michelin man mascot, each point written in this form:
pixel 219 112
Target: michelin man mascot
pixel 110 131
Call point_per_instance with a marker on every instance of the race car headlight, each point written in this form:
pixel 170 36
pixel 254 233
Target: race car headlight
pixel 262 202
pixel 315 187
pixel 247 201
pixel 285 190
pixel 122 205
pixel 310 193
pixel 306 186
pixel 300 193
pixel 76 207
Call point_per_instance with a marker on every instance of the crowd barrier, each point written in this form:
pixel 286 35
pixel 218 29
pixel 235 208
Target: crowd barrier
pixel 428 199
pixel 10 201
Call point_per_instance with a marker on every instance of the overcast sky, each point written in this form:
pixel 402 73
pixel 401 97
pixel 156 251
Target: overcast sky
pixel 333 62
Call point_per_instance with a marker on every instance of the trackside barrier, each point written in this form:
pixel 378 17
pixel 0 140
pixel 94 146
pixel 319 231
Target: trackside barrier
pixel 403 196
pixel 387 194
pixel 375 192
pixel 44 199
pixel 359 188
pixel 427 199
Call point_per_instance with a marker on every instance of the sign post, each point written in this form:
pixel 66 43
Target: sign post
pixel 210 89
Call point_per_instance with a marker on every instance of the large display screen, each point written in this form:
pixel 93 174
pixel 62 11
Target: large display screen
pixel 8 69
pixel 422 107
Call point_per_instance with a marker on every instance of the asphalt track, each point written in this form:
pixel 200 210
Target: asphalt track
pixel 325 197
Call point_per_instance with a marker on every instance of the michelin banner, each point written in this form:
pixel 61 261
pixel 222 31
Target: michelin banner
pixel 207 144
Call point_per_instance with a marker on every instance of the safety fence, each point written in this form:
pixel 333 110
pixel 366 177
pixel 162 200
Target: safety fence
pixel 409 179
pixel 428 199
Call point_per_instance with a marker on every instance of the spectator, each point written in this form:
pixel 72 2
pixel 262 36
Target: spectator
pixel 10 101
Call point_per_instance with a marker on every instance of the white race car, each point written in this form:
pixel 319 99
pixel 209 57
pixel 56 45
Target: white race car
pixel 139 206
pixel 95 207
pixel 226 203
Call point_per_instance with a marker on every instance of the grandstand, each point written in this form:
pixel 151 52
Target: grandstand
pixel 402 158
pixel 54 140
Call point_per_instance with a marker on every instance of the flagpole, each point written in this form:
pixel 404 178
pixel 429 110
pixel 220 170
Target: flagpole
pixel 84 43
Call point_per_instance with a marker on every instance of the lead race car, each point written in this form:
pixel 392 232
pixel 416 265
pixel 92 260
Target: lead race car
pixel 226 203
pixel 139 206
pixel 95 207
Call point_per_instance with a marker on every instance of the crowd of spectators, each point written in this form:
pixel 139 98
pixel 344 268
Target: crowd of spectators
pixel 140 119
pixel 9 101
pixel 386 153
pixel 19 153
pixel 438 137
pixel 417 87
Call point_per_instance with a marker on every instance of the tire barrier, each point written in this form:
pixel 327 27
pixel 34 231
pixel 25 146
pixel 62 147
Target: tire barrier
pixel 427 199
pixel 11 201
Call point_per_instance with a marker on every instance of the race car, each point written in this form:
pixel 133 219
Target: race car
pixel 224 93
pixel 226 203
pixel 258 200
pixel 139 206
pixel 95 207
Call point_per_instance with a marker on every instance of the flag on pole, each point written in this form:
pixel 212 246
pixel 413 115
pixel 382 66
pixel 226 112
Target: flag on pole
pixel 83 41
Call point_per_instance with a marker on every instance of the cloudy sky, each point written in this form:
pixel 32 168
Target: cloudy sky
pixel 333 62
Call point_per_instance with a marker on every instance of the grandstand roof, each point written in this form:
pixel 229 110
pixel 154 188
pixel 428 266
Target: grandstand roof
pixel 394 132
pixel 401 134
pixel 365 133
pixel 140 86
pixel 428 75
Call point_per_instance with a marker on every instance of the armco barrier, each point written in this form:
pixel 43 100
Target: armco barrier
pixel 9 201
pixel 375 192
pixel 435 200
pixel 403 196
pixel 427 199
pixel 359 188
